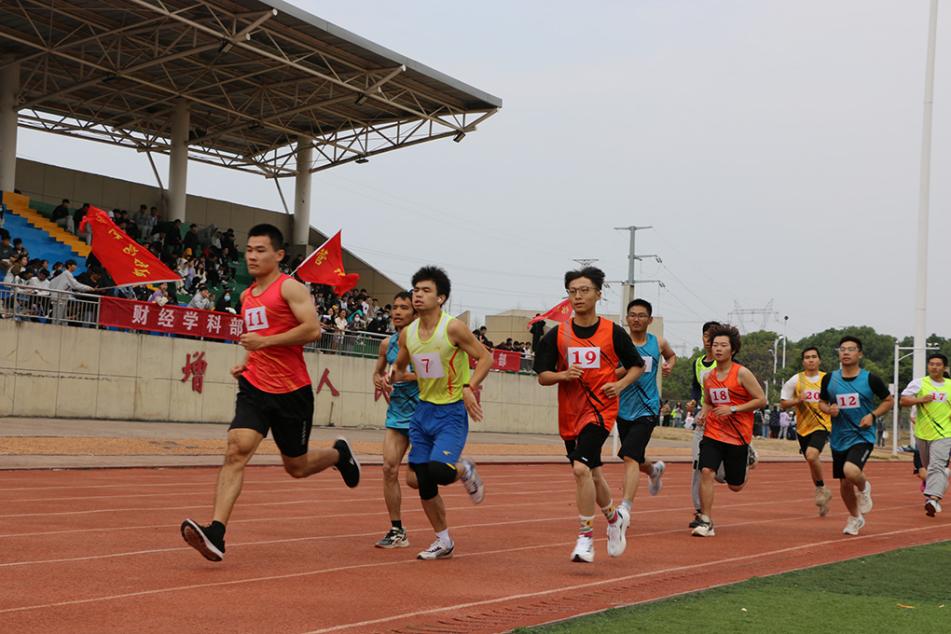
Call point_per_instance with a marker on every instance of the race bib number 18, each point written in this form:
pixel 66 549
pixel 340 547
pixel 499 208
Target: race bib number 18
pixel 428 365
pixel 720 396
pixel 584 357
pixel 847 401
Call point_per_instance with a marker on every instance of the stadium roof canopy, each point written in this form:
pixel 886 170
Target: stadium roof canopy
pixel 257 75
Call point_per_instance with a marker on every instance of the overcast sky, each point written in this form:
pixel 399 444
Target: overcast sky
pixel 773 145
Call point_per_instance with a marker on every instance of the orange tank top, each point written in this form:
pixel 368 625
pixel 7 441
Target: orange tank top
pixel 582 402
pixel 728 392
pixel 280 369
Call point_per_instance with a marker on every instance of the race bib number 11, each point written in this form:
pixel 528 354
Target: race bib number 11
pixel 585 358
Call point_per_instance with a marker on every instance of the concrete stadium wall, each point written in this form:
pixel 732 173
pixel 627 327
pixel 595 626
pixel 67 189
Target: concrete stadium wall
pixel 51 184
pixel 68 372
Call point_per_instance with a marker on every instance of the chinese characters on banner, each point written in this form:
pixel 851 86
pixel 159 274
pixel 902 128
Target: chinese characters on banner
pixel 195 366
pixel 127 261
pixel 506 360
pixel 177 320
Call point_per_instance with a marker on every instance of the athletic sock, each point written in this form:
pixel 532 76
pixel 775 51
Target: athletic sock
pixel 820 484
pixel 610 513
pixel 626 505
pixel 705 518
pixel 444 538
pixel 587 525
pixel 397 524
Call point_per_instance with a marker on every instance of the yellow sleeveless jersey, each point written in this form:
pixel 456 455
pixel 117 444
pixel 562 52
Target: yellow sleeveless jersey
pixel 809 417
pixel 934 419
pixel 441 367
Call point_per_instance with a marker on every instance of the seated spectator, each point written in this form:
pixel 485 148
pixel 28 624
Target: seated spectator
pixel 92 278
pixel 160 296
pixel 7 253
pixel 15 274
pixel 341 323
pixel 224 303
pixel 78 216
pixel 201 300
pixel 191 238
pixel 62 216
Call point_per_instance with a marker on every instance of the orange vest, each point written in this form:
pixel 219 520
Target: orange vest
pixel 728 392
pixel 582 402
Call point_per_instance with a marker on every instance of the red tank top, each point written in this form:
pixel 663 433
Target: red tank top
pixel 582 402
pixel 280 369
pixel 728 392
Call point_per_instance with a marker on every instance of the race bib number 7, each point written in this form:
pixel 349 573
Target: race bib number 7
pixel 428 365
pixel 585 358
pixel 847 401
pixel 720 396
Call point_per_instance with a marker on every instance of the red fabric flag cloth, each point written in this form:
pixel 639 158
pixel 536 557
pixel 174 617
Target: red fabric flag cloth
pixel 325 266
pixel 561 313
pixel 127 262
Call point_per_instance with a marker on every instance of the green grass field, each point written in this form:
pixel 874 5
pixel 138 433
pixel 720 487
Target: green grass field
pixel 901 591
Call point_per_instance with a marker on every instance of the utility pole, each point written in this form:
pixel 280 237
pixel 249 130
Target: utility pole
pixel 632 257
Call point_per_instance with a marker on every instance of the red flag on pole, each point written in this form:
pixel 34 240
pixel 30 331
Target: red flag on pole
pixel 325 266
pixel 560 313
pixel 127 262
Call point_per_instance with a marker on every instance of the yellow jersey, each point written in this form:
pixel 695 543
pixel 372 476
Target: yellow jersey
pixel 809 417
pixel 441 367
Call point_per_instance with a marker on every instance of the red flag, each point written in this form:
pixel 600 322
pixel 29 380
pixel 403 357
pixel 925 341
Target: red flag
pixel 325 266
pixel 127 262
pixel 561 313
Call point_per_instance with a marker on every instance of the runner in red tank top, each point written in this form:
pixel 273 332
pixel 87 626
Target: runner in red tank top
pixel 731 395
pixel 581 357
pixel 274 390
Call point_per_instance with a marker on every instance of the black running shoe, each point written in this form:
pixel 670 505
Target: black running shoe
pixel 211 547
pixel 696 520
pixel 348 466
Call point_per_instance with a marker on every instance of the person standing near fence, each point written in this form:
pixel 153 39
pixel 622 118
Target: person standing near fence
pixel 640 403
pixel 64 284
pixel 801 392
pixel 848 396
pixel 403 397
pixel 274 388
pixel 439 347
pixel 931 394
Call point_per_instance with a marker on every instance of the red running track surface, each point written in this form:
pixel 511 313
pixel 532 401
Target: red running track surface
pixel 99 551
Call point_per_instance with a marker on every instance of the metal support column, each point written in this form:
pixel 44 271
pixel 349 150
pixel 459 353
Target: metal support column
pixel 178 163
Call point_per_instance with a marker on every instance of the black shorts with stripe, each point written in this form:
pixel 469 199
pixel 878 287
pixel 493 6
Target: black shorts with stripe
pixel 288 417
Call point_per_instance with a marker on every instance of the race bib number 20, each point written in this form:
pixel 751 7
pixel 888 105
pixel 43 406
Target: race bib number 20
pixel 810 396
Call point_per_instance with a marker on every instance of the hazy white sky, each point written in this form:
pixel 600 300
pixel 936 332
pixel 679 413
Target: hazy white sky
pixel 773 145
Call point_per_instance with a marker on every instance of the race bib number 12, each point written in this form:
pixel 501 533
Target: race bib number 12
pixel 847 401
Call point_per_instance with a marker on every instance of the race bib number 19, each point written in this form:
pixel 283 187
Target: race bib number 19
pixel 720 396
pixel 584 357
pixel 847 401
pixel 428 365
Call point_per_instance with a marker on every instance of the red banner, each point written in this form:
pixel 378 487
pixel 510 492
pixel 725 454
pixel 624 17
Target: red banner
pixel 561 312
pixel 506 360
pixel 176 320
pixel 127 261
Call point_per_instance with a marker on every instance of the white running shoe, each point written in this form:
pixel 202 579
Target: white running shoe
pixel 617 533
pixel 657 478
pixel 823 495
pixel 854 525
pixel 865 498
pixel 584 550
pixel 437 550
pixel 932 507
pixel 704 528
pixel 472 482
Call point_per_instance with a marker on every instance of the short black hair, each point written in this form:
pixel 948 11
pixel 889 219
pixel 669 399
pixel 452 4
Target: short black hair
pixel 403 295
pixel 269 231
pixel 708 325
pixel 69 263
pixel 726 330
pixel 938 355
pixel 812 348
pixel 850 338
pixel 643 303
pixel 593 273
pixel 435 275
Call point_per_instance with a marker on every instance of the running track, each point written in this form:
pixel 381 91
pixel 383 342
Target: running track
pixel 99 551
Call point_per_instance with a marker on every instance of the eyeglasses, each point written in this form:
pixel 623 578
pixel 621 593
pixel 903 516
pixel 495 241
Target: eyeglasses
pixel 584 290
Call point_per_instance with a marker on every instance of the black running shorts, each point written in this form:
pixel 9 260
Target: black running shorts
pixel 856 454
pixel 817 439
pixel 735 459
pixel 634 436
pixel 586 448
pixel 288 416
